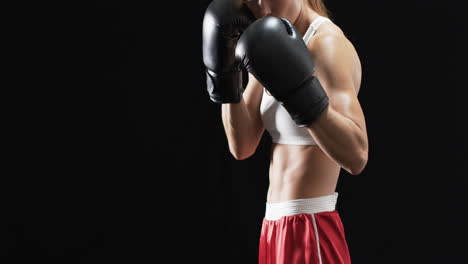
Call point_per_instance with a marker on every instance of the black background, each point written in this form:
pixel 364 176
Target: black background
pixel 115 154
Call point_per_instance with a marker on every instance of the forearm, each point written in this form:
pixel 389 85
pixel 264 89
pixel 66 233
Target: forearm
pixel 239 128
pixel 341 139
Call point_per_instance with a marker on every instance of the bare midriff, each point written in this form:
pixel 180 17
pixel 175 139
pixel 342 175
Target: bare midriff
pixel 299 172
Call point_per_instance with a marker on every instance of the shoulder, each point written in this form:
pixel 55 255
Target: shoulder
pixel 335 58
pixel 333 52
pixel 328 42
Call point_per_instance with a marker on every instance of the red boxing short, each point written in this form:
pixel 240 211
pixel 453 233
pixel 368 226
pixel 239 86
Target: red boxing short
pixel 303 231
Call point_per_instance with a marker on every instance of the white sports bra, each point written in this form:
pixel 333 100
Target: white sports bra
pixel 276 119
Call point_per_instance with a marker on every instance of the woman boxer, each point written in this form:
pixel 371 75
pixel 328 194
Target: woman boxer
pixel 304 78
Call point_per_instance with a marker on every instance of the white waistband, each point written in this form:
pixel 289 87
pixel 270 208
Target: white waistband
pixel 275 211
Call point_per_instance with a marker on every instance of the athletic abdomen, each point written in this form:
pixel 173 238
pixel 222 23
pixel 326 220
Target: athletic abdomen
pixel 298 172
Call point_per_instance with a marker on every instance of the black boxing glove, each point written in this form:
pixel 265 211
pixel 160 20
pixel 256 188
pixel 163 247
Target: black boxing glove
pixel 223 23
pixel 274 52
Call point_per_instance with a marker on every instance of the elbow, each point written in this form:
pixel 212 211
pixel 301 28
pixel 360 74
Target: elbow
pixel 241 157
pixel 359 163
pixel 239 154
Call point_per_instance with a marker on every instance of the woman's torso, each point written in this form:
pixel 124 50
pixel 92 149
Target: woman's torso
pixel 304 171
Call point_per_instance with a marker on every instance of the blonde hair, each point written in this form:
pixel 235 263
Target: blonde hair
pixel 319 7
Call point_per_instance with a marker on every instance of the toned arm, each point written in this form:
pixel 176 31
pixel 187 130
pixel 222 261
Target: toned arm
pixel 242 121
pixel 341 129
